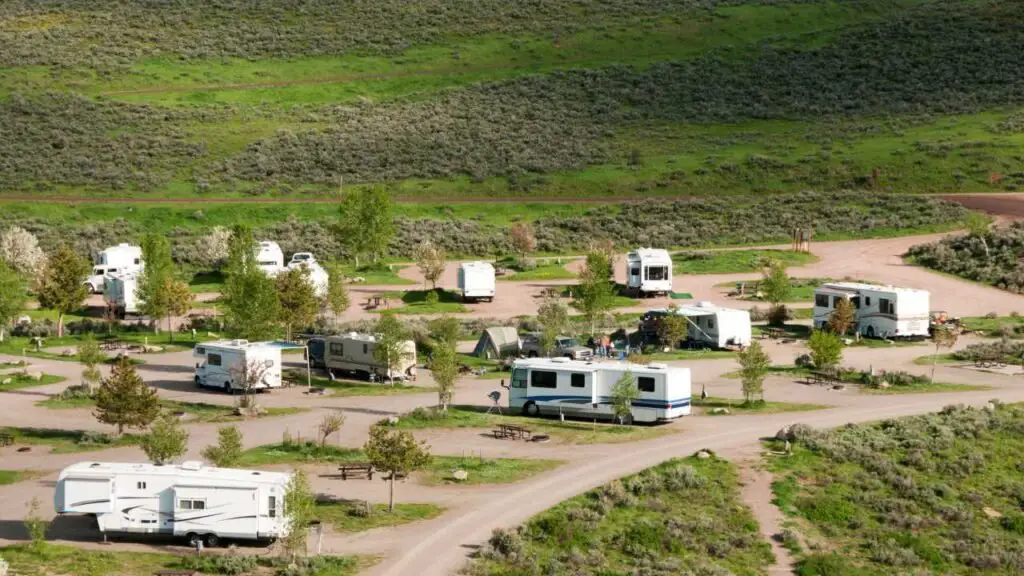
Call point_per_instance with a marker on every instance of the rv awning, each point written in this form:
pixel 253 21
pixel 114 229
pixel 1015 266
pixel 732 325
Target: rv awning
pixel 286 345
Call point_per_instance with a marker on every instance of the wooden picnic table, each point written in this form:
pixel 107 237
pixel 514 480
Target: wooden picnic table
pixel 112 344
pixel 356 469
pixel 512 431
pixel 772 333
pixel 6 439
pixel 818 377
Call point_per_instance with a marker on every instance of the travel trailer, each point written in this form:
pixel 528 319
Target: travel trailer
pixel 879 311
pixel 317 275
pixel 476 281
pixel 353 353
pixel 708 325
pixel 649 271
pixel 269 257
pixel 114 260
pixel 584 389
pixel 222 364
pixel 120 293
pixel 189 500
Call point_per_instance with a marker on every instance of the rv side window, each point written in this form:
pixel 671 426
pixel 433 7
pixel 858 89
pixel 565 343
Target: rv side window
pixel 578 381
pixel 213 359
pixel 272 507
pixel 192 504
pixel 645 384
pixel 112 271
pixel 140 485
pixel 366 349
pixel 856 302
pixel 337 349
pixel 138 261
pixel 634 272
pixel 268 363
pixel 711 323
pixel 821 300
pixel 542 379
pixel 835 301
pixel 885 306
pixel 200 351
pixel 657 273
pixel 519 378
pixel 867 300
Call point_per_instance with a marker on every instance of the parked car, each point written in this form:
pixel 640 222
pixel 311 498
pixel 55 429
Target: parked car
pixel 564 346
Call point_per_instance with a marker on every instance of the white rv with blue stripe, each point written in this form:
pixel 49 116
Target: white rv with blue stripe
pixel 576 388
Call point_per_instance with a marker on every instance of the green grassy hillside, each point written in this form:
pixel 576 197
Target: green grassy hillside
pixel 447 98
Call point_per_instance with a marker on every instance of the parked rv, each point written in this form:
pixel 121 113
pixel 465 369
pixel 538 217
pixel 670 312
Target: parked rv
pixel 708 325
pixel 879 311
pixel 189 500
pixel 120 293
pixel 269 257
pixel 550 386
pixel 317 275
pixel 565 347
pixel 300 257
pixel 114 260
pixel 222 363
pixel 649 272
pixel 476 281
pixel 353 353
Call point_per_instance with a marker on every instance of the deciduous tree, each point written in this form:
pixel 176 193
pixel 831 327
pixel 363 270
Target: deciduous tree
pixel 61 288
pixel 673 328
pixel 152 287
pixel 826 349
pixel 624 392
pixel 166 440
pixel 329 424
pixel 444 329
pixel 842 317
pixel 250 296
pixel 337 299
pixel 977 225
pixel 430 259
pixel 299 506
pixel 367 222
pixel 20 250
pixel 776 287
pixel 90 355
pixel 212 251
pixel 523 240
pixel 942 337
pixel 444 366
pixel 553 319
pixel 754 365
pixel 179 298
pixel 228 449
pixel 397 453
pixel 124 400
pixel 391 350
pixel 298 300
pixel 595 294
pixel 12 297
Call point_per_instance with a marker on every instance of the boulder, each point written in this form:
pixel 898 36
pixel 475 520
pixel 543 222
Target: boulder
pixel 991 513
pixel 883 385
pixel 67 352
pixel 990 407
pixel 460 475
pixel 703 455
pixel 392 420
pixel 6 381
pixel 34 375
pixel 719 410
pixel 358 280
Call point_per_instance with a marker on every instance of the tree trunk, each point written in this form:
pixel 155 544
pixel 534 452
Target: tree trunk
pixel 170 332
pixel 120 429
pixel 984 245
pixel 60 324
pixel 1 333
pixel 391 495
pixel 935 360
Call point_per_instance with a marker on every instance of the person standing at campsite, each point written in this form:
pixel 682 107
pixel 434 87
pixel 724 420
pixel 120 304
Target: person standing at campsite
pixel 606 345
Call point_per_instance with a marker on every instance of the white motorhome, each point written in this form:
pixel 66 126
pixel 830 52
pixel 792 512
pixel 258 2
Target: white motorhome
pixel 317 275
pixel 222 363
pixel 269 257
pixel 354 353
pixel 120 293
pixel 476 281
pixel 649 271
pixel 562 386
pixel 114 260
pixel 708 325
pixel 880 311
pixel 190 500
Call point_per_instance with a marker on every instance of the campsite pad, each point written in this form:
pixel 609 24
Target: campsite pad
pixel 682 296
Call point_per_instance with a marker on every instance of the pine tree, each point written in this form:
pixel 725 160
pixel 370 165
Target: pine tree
pixel 166 440
pixel 124 400
pixel 61 287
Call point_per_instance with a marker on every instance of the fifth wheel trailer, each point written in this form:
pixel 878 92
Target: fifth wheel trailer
pixel 354 352
pixel 879 311
pixel 708 325
pixel 649 271
pixel 190 500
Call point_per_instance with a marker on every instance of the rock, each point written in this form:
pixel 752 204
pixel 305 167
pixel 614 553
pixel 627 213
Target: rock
pixel 358 280
pixel 990 407
pixel 718 411
pixel 839 387
pixel 34 375
pixel 883 384
pixel 460 475
pixel 847 341
pixel 392 420
pixel 152 349
pixel 67 352
pixel 6 381
pixel 24 320
pixel 991 513
pixel 703 455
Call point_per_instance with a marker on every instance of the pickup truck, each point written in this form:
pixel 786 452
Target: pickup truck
pixel 564 346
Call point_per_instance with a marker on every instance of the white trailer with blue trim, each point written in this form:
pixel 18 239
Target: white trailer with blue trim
pixel 552 386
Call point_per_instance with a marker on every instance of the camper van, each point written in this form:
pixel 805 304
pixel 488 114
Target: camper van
pixel 880 311
pixel 553 386
pixel 649 272
pixel 708 325
pixel 221 363
pixel 114 260
pixel 353 353
pixel 269 257
pixel 476 281
pixel 120 293
pixel 189 500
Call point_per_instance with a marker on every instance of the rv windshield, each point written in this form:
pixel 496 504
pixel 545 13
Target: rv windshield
pixel 97 271
pixel 568 343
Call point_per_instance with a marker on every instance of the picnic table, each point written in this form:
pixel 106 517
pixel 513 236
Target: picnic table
pixel 512 431
pixel 772 333
pixel 826 378
pixel 356 469
pixel 112 344
pixel 6 439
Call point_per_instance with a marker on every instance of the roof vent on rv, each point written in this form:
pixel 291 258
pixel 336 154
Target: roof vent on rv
pixel 94 465
pixel 239 342
pixel 657 366
pixel 191 465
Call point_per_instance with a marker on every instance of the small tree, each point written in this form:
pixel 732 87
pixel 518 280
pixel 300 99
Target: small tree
pixel 673 328
pixel 523 240
pixel 595 294
pixel 167 439
pixel 391 349
pixel 152 290
pixel 754 365
pixel 337 299
pixel 624 392
pixel 444 329
pixel 251 297
pixel 445 369
pixel 942 337
pixel 90 355
pixel 178 298
pixel 61 287
pixel 396 452
pixel 124 400
pixel 299 508
pixel 826 349
pixel 247 376
pixel 841 319
pixel 35 525
pixel 329 424
pixel 298 300
pixel 776 287
pixel 431 261
pixel 12 297
pixel 977 225
pixel 212 251
pixel 21 251
pixel 367 222
pixel 553 319
pixel 228 449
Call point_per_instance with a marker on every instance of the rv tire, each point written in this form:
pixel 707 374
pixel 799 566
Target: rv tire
pixel 532 354
pixel 871 332
pixel 193 539
pixel 199 383
pixel 227 388
pixel 212 540
pixel 531 409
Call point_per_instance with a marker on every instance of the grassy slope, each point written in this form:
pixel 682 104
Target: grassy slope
pixel 343 517
pixel 734 261
pixel 67 441
pixel 915 495
pixel 197 411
